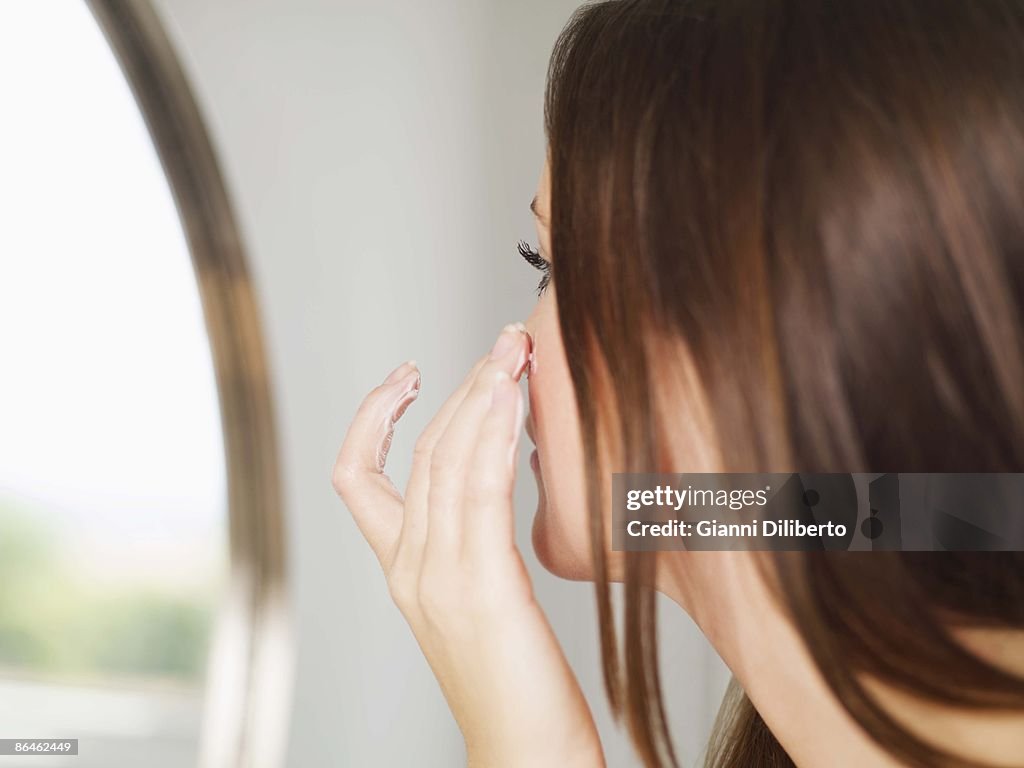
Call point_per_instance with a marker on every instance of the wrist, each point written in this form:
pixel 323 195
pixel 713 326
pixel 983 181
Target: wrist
pixel 549 758
pixel 585 753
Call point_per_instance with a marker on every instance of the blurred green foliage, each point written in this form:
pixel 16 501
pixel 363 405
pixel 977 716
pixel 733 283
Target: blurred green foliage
pixel 53 625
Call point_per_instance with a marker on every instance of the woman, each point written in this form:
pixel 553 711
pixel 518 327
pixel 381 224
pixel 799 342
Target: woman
pixel 776 235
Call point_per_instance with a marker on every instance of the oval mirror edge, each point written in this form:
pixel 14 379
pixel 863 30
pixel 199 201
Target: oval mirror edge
pixel 249 679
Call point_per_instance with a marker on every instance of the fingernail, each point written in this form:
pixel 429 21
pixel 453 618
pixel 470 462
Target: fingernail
pixel 510 337
pixel 525 364
pixel 408 389
pixel 400 371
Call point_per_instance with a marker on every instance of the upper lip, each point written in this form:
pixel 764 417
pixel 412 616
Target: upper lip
pixel 529 429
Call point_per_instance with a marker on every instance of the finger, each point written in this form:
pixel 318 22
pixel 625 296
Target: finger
pixel 414 522
pixel 450 458
pixel 487 495
pixel 517 345
pixel 359 469
pixel 414 530
pixel 433 431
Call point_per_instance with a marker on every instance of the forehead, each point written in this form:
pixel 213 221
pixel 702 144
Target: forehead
pixel 541 201
pixel 544 186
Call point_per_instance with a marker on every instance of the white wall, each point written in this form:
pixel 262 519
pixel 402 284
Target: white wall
pixel 381 155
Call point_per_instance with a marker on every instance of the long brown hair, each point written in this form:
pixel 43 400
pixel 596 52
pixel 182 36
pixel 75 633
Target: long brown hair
pixel 824 200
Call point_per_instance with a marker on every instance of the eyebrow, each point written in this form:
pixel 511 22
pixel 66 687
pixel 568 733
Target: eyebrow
pixel 536 211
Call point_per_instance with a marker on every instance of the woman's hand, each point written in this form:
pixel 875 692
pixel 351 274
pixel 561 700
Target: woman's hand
pixel 448 551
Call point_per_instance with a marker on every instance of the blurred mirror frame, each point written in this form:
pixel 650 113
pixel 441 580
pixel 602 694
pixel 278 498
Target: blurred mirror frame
pixel 248 684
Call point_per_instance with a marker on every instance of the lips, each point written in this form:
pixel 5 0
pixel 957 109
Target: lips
pixel 534 456
pixel 532 434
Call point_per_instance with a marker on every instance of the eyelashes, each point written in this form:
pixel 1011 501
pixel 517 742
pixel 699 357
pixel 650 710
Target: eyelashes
pixel 535 260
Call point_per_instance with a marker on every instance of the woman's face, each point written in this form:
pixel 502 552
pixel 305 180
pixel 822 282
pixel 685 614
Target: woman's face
pixel 560 529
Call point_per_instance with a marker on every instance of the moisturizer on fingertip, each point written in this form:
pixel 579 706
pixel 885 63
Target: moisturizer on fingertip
pixel 527 363
pixel 410 391
pixel 405 401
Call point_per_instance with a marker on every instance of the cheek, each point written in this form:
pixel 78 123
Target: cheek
pixel 561 536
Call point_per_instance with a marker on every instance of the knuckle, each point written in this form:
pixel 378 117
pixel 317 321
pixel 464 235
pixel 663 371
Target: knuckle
pixel 402 589
pixel 484 384
pixel 443 496
pixel 485 485
pixel 436 594
pixel 486 374
pixel 481 498
pixel 477 497
pixel 377 392
pixel 342 478
pixel 424 446
pixel 445 459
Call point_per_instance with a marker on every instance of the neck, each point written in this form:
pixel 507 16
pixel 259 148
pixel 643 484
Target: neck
pixel 726 595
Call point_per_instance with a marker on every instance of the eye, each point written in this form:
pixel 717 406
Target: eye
pixel 535 260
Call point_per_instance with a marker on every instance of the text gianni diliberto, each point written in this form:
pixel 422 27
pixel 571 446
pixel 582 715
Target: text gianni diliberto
pixel 665 497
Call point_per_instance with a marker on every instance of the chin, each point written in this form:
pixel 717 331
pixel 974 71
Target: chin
pixel 565 554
